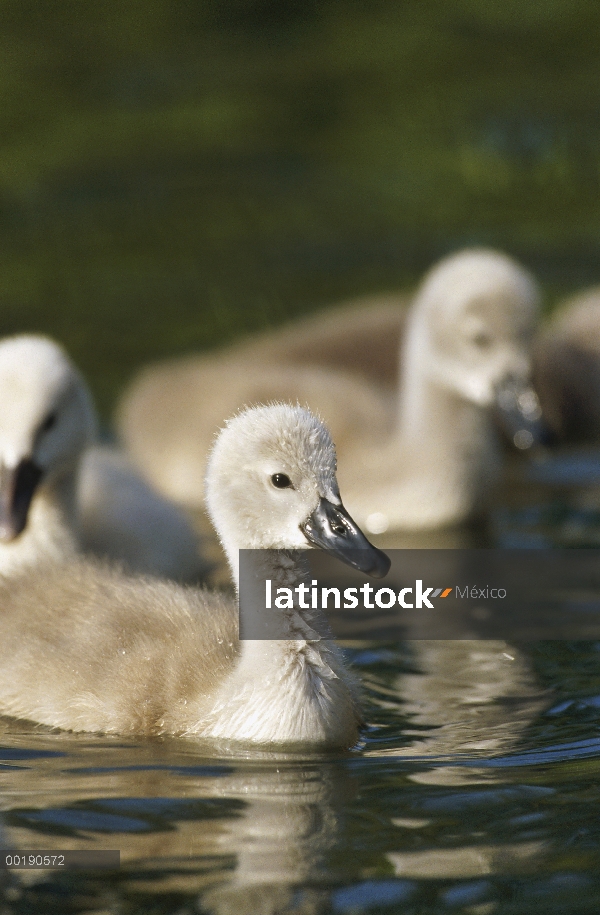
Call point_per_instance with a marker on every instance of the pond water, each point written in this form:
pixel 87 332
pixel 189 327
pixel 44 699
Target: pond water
pixel 474 789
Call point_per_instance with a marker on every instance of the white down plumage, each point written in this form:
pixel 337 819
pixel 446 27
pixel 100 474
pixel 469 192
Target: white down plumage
pixel 113 653
pixel 58 492
pixel 421 460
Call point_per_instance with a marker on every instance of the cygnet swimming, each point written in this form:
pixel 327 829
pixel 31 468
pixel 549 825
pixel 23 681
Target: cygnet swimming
pixel 87 648
pixel 363 336
pixel 466 348
pixel 567 368
pixel 58 492
pixel 422 459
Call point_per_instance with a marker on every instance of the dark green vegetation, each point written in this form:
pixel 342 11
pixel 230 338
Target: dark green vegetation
pixel 175 173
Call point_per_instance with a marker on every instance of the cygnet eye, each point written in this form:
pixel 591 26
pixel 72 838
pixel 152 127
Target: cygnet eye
pixel 281 481
pixel 49 422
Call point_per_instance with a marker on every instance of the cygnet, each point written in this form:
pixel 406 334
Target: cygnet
pixel 567 368
pixel 59 493
pixel 421 460
pixel 87 648
pixel 466 349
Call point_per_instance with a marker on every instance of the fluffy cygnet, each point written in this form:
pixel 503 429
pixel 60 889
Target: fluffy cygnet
pixel 420 460
pixel 109 653
pixel 567 368
pixel 466 348
pixel 47 421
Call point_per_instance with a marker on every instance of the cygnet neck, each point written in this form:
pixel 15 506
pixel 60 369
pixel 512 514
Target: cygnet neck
pixel 295 686
pixel 438 428
pixel 442 454
pixel 51 530
pixel 284 568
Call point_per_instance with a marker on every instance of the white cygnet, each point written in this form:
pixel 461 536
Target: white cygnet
pixel 465 350
pixel 420 460
pixel 58 493
pixel 46 421
pixel 87 648
pixel 567 368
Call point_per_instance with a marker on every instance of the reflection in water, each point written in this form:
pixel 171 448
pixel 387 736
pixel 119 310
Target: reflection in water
pixel 229 829
pixel 289 824
pixel 468 697
pixel 245 831
pixel 479 860
pixel 474 696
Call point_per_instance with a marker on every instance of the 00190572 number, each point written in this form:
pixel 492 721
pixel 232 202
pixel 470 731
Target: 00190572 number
pixel 75 859
pixel 34 860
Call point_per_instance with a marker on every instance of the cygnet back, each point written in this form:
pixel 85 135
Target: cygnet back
pixel 467 338
pixel 567 368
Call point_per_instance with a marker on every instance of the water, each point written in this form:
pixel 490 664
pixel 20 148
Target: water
pixel 474 788
pixel 476 785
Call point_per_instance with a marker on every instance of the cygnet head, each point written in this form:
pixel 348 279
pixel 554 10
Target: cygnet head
pixel 46 420
pixel 472 324
pixel 271 484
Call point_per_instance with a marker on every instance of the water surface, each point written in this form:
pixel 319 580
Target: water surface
pixel 474 788
pixel 476 783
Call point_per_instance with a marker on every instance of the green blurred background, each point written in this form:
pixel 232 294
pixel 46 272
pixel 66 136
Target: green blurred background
pixel 175 173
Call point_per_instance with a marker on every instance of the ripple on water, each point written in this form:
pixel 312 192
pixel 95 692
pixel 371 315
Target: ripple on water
pixel 475 787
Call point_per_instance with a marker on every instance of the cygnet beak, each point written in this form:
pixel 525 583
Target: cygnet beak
pixel 331 528
pixel 519 414
pixel 17 487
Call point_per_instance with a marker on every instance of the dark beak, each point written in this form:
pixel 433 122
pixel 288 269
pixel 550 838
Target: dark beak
pixel 331 528
pixel 520 415
pixel 17 488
